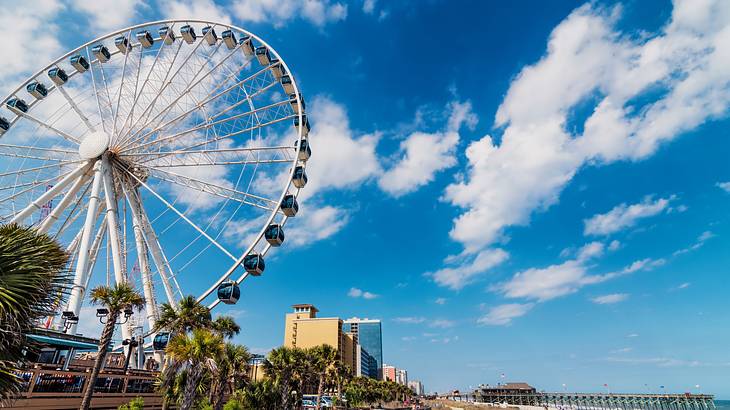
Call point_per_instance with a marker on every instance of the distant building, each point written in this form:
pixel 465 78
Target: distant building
pixel 389 372
pixel 304 329
pixel 401 376
pixel 366 364
pixel 368 333
pixel 416 386
pixel 256 367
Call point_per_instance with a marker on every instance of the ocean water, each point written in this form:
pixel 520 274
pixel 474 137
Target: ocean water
pixel 722 404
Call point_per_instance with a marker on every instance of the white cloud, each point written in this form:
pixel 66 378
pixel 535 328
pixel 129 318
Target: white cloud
pixel 198 9
pixel 459 276
pixel 614 245
pixel 278 12
pixel 442 323
pixel 590 250
pixel 624 216
pixel 108 15
pixel 423 154
pixel 319 224
pixel 610 299
pixel 410 320
pixel 725 186
pixel 368 6
pixel 588 57
pixel 504 314
pixel 684 285
pixel 440 301
pixel 22 21
pixel 359 293
pixel 704 237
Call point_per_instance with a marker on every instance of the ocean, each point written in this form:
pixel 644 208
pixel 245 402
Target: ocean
pixel 722 404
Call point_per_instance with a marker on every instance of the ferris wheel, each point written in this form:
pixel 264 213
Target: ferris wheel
pixel 168 155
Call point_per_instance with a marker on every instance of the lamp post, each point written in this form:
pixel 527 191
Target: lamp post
pixel 69 319
pixel 103 314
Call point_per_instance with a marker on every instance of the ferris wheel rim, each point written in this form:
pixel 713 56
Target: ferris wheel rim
pixel 288 189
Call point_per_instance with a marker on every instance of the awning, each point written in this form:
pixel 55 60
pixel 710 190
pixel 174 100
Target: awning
pixel 58 342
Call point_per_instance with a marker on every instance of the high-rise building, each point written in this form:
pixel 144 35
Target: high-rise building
pixel 401 376
pixel 366 365
pixel 416 386
pixel 368 334
pixel 388 372
pixel 304 329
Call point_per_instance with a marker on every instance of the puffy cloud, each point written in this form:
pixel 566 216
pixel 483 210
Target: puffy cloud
pixel 423 154
pixel 108 15
pixel 359 293
pixel 22 21
pixel 440 301
pixel 442 323
pixel 624 216
pixel 199 9
pixel 589 58
pixel 410 320
pixel 504 314
pixel 610 298
pixel 704 237
pixel 368 6
pixel 725 186
pixel 317 12
pixel 464 273
pixel 320 223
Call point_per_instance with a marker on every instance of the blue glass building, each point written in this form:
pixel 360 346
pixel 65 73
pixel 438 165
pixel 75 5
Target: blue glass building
pixel 369 335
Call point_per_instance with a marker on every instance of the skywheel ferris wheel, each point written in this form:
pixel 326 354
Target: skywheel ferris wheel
pixel 168 154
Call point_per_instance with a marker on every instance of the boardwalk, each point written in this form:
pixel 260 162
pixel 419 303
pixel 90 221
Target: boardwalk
pixel 599 401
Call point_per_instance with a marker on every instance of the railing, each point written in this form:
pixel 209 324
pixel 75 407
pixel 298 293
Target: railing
pixel 599 401
pixel 40 383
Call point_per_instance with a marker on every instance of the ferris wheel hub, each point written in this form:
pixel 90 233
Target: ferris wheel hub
pixel 94 145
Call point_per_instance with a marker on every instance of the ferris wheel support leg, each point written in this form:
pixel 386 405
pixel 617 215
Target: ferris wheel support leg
pixel 112 222
pixel 65 202
pixel 50 194
pixel 156 251
pixel 78 289
pixel 144 263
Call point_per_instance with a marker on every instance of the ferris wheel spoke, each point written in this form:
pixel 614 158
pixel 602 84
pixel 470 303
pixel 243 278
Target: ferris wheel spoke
pixel 49 127
pixel 148 110
pixel 223 156
pixel 42 167
pixel 182 94
pixel 102 118
pixel 76 108
pixel 161 52
pixel 214 189
pixel 181 215
pixel 115 109
pixel 67 199
pixel 33 185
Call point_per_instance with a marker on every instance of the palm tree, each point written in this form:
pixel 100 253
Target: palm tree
pixel 281 367
pixel 190 314
pixel 232 368
pixel 225 326
pixel 194 353
pixel 323 358
pixel 120 297
pixel 33 283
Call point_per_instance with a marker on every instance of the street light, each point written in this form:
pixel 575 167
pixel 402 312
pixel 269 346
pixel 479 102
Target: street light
pixel 103 313
pixel 69 319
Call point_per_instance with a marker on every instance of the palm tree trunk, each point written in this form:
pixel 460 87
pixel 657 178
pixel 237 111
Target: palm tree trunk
pixel 191 386
pixel 319 390
pixel 106 339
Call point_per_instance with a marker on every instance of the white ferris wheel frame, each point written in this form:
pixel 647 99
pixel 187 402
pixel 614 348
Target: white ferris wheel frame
pixel 86 243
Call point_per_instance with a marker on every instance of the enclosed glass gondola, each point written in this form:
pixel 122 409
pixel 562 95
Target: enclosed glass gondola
pixel 167 35
pixel 230 39
pixel 263 55
pixel 299 179
pixel 122 43
pixel 306 151
pixel 277 69
pixel 287 83
pixel 188 33
pixel 4 125
pixel 274 234
pixel 209 35
pixel 160 341
pixel 58 76
pixel 254 264
pixel 294 103
pixel 145 38
pixel 17 105
pixel 246 45
pixel 37 90
pixel 102 53
pixel 79 63
pixel 228 292
pixel 305 121
pixel 289 205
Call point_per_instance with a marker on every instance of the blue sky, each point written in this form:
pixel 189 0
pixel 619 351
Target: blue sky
pixel 520 188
